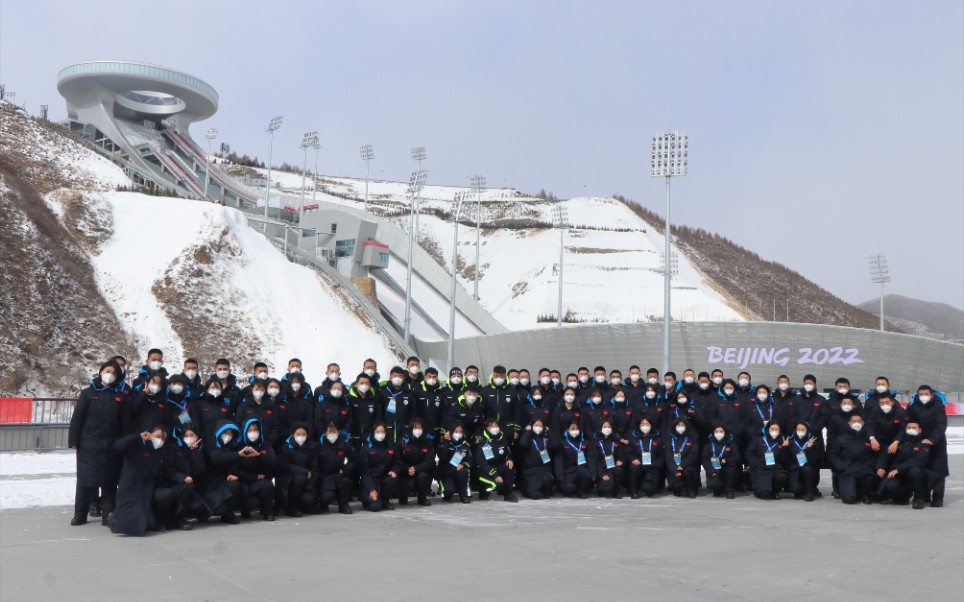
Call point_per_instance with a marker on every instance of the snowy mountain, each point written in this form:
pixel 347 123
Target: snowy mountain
pixel 92 271
pixel 924 318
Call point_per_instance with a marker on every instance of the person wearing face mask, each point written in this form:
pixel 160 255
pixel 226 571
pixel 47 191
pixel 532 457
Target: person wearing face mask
pixel 370 369
pixel 538 479
pixel 573 461
pixel 652 378
pixel 652 405
pixel 758 414
pixel 905 471
pixel 494 465
pixel 682 459
pixel 623 415
pixel 467 412
pixel 154 366
pixel 643 459
pixel 535 407
pixel 454 386
pixel 721 462
pixel 256 472
pixel 297 472
pixel 607 467
pixel 396 405
pixel 670 386
pixel 220 488
pixel 414 464
pixel 140 505
pixel 927 410
pixel 295 368
pixel 94 426
pixel 525 383
pixel 595 412
pixel 179 395
pixel 744 387
pixel 885 420
pixel 413 373
pixel 804 467
pixel 332 376
pixel 566 412
pixel 835 416
pixel 731 414
pixel 379 481
pixel 429 401
pixel 335 408
pixel 365 410
pixel 852 460
pixel 784 404
pixel 260 375
pixel 688 383
pixel 472 380
pixel 716 378
pixel 455 459
pixel 769 457
pixel 704 397
pixel 583 384
pixel 682 407
pixel 881 387
pixel 181 472
pixel 211 407
pixel 501 404
pixel 148 408
pixel 299 403
pixel 264 408
pixel 337 461
pixel 809 403
pixel 230 391
pixel 192 378
pixel 634 385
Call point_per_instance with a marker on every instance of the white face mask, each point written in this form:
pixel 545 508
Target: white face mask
pixel 556 381
pixel 524 382
pixel 717 381
pixel 669 384
pixel 472 378
pixel 688 380
pixel 680 430
pixel 333 376
pixel 644 429
pixel 774 434
pixel 857 427
pixel 762 396
pixel 886 409
pixel 744 383
pixel 514 382
pixel 157 443
pixel 156 365
pixel 332 437
pixel 597 400
pixel 719 436
pixel 456 437
pixel 584 378
pixel 544 381
pixel 226 438
pixel 295 387
pixel 634 378
pixel 801 434
pixel 413 370
pixel 600 379
pixel 154 388
pixel 431 382
pixel 682 401
pixel 189 441
pixel 843 391
pixel 469 400
pixel 925 399
pixel 650 394
pixel 190 374
pixel 363 388
pixel 273 392
pixel 616 382
pixel 253 437
pixel 397 381
pixel 456 380
pixel 261 376
pixel 573 434
pixel 416 433
pixel 215 393
pixel 336 393
pixel 652 380
pixel 494 431
pixel 881 389
pixel 537 398
pixel 498 381
pixel 783 386
pixel 808 388
pixel 300 439
pixel 728 392
pixel 912 432
pixel 257 394
pixel 379 437
pixel 704 386
pixel 222 374
pixel 294 370
pixel 607 432
pixel 569 398
pixel 537 430
pixel 176 389
pixel 619 399
pixel 573 384
pixel 107 378
pixel 370 372
pixel 846 407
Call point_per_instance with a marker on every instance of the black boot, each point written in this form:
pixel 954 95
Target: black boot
pixel 95 509
pixel 78 519
pixel 510 497
pixel 465 499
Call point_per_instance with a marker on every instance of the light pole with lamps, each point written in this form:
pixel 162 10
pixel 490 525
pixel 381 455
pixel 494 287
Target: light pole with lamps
pixel 880 274
pixel 562 219
pixel 367 154
pixel 415 185
pixel 273 125
pixel 458 201
pixel 211 135
pixel 309 141
pixel 478 185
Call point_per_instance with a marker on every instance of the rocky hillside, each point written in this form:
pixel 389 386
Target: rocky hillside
pixel 936 320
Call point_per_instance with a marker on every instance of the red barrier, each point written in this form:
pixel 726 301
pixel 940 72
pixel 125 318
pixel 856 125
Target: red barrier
pixel 15 410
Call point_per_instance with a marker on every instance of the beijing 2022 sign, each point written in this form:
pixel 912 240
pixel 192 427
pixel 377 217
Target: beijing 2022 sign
pixel 771 356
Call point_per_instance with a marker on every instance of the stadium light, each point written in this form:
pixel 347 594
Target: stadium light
pixel 309 140
pixel 418 154
pixel 562 220
pixel 367 154
pixel 415 184
pixel 478 185
pixel 880 274
pixel 273 125
pixel 314 189
pixel 669 160
pixel 457 202
pixel 211 134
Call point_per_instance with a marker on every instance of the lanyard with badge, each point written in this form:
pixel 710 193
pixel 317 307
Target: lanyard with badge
pixel 610 461
pixel 678 455
pixel 801 455
pixel 647 453
pixel 580 455
pixel 768 456
pixel 391 404
pixel 183 417
pixel 487 450
pixel 543 453
pixel 457 456
pixel 716 458
pixel 769 411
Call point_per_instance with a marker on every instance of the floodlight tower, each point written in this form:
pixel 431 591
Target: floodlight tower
pixel 211 134
pixel 880 274
pixel 562 220
pixel 367 154
pixel 415 185
pixel 457 204
pixel 669 159
pixel 309 140
pixel 478 185
pixel 314 189
pixel 273 125
pixel 418 154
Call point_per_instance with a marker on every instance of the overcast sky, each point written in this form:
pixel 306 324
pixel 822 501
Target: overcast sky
pixel 820 132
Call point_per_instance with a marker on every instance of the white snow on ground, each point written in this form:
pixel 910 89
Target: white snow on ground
pixel 47 479
pixel 305 321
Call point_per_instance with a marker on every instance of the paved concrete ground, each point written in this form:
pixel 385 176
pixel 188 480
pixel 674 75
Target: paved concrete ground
pixel 707 549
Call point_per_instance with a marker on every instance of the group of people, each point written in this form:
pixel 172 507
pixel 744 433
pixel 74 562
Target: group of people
pixel 164 449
